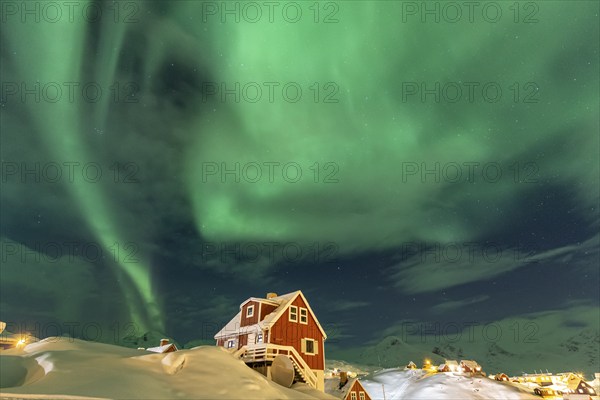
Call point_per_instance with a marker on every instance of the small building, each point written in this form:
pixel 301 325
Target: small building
pixel 470 366
pixel 501 377
pixel 356 391
pixel 164 347
pixel 411 365
pixel 452 365
pixel 278 325
pixel 541 379
pixel 576 385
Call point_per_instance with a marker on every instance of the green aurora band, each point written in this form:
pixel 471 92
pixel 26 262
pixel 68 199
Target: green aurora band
pixel 59 59
pixel 369 54
pixel 371 131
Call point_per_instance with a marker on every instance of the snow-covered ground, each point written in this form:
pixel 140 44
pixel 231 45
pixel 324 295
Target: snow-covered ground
pixel 416 384
pixel 70 368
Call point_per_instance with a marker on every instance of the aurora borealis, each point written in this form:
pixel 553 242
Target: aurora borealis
pixel 395 162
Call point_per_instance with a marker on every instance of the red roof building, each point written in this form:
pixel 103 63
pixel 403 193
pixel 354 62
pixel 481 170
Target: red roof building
pixel 278 325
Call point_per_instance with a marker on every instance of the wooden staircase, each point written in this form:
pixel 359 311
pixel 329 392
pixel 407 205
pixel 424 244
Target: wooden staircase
pixel 266 352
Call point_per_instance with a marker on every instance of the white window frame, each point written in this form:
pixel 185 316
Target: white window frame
pixel 295 314
pixel 231 343
pixel 305 316
pixel 259 338
pixel 352 395
pixel 361 395
pixel 315 346
pixel 250 311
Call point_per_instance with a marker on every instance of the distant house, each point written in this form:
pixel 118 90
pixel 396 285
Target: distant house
pixel 576 385
pixel 540 379
pixel 443 368
pixel 356 391
pixel 278 325
pixel 164 347
pixel 470 366
pixel 452 365
pixel 501 377
pixel 411 365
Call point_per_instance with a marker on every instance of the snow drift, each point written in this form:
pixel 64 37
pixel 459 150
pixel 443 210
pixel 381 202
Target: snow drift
pixel 72 368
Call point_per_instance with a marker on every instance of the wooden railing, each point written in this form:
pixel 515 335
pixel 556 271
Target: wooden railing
pixel 268 352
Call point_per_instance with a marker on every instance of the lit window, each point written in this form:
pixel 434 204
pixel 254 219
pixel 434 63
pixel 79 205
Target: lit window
pixel 361 395
pixel 303 315
pixel 293 314
pixel 259 338
pixel 230 344
pixel 353 395
pixel 250 311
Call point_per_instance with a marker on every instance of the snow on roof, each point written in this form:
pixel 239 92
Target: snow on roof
pixel 470 363
pixel 259 300
pixel 233 327
pixel 161 349
pixel 348 386
pixel 2 326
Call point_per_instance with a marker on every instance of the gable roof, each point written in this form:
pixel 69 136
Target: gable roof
pixel 162 349
pixel 282 302
pixel 347 388
pixel 470 363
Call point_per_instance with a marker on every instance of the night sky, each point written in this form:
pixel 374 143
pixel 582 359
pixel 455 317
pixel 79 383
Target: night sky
pixel 401 171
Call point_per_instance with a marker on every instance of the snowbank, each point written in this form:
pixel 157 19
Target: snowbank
pixel 71 368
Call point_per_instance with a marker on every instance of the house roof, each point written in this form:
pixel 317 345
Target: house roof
pixel 574 382
pixel 282 302
pixel 259 300
pixel 161 349
pixel 470 363
pixel 348 386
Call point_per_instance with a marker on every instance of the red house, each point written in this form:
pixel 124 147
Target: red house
pixel 278 325
pixel 356 391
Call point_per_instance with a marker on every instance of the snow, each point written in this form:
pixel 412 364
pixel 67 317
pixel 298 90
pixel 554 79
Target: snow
pixel 416 384
pixel 233 327
pixel 72 368
pixel 161 349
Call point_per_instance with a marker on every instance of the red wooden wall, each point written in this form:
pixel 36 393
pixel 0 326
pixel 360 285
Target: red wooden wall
pixel 357 388
pixel 288 333
pixel 244 321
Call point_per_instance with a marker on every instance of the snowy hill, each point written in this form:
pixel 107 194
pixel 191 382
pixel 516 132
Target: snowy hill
pixel 576 353
pixel 71 368
pixel 415 384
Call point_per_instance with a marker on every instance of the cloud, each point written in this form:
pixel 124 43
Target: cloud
pixel 457 264
pixel 455 304
pixel 346 305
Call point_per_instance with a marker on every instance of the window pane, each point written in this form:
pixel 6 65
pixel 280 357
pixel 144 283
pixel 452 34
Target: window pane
pixel 310 346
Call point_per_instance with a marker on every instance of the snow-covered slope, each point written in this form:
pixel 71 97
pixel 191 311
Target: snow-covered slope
pixel 415 384
pixel 62 367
